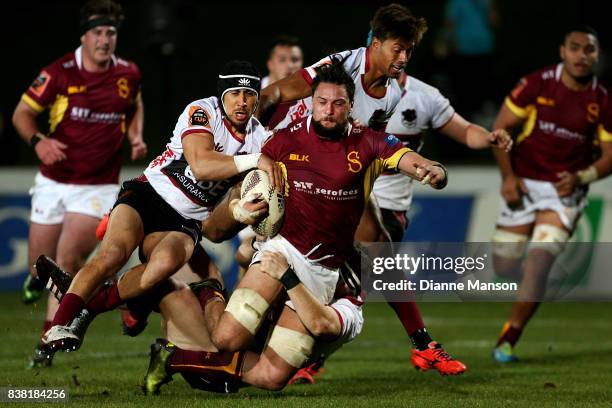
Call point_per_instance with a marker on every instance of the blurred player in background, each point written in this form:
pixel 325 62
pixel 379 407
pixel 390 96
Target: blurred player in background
pixel 94 100
pixel 563 112
pixel 285 58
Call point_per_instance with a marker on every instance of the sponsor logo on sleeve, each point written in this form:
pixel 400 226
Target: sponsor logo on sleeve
pixel 392 140
pixel 197 116
pixel 40 83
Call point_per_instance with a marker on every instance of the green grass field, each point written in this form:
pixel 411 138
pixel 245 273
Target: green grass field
pixel 566 360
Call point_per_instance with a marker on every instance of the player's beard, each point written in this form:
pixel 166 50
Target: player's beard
pixel 334 133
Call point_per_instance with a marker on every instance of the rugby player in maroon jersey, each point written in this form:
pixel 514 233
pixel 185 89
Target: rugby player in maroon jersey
pixel 94 100
pixel 395 34
pixel 330 168
pixel 563 112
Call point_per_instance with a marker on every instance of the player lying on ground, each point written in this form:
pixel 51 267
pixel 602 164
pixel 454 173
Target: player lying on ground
pixel 188 350
pixel 564 112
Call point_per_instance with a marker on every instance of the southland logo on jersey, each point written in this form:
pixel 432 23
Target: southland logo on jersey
pixel 86 115
pixel 244 82
pixel 340 194
pixel 299 157
pixel 354 165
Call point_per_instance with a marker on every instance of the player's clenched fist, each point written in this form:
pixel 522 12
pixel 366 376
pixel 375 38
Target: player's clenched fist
pixel 501 139
pixel 433 174
pixel 50 151
pixel 274 264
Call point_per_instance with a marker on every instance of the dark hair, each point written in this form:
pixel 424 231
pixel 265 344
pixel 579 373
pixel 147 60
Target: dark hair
pixel 334 73
pixel 101 8
pixel 579 28
pixel 284 41
pixel 396 21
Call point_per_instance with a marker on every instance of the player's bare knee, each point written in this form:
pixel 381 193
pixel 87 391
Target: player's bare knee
pixel 112 256
pixel 228 338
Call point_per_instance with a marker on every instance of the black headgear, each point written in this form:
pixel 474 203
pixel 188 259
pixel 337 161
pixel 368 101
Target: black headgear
pixel 238 75
pixel 88 24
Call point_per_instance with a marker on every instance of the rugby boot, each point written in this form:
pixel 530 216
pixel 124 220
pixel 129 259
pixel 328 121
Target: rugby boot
pixel 434 356
pixel 157 373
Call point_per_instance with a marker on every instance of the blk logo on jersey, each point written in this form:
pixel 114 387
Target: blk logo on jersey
pixel 409 117
pixel 299 157
pixel 198 118
pixel 354 165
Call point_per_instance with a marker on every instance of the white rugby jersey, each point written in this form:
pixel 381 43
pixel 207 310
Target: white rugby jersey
pixel 422 107
pixel 356 64
pixel 170 174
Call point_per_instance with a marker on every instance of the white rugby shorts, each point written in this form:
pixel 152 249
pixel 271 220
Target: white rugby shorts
pixel 541 196
pixel 51 200
pixel 319 279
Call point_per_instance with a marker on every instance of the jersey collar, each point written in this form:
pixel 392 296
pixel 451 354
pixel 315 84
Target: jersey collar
pixel 78 56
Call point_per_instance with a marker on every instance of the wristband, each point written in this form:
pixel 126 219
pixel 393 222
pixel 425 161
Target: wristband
pixel 587 175
pixel 34 140
pixel 443 183
pixel 289 279
pixel 246 162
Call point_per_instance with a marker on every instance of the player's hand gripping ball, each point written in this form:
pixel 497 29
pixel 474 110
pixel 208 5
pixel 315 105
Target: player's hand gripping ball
pixel 257 182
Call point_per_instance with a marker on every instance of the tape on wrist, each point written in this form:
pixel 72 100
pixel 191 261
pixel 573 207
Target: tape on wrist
pixel 289 279
pixel 587 175
pixel 246 162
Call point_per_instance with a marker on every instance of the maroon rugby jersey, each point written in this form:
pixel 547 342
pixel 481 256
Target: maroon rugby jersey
pixel 87 112
pixel 560 126
pixel 328 184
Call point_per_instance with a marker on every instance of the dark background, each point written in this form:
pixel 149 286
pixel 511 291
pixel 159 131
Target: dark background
pixel 181 45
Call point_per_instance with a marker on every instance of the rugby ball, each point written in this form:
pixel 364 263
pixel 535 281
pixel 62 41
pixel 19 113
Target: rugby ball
pixel 257 181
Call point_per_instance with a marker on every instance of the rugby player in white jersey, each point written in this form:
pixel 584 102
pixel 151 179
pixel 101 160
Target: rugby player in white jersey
pixel 215 140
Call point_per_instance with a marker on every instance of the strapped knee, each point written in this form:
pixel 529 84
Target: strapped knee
pixel 549 238
pixel 248 307
pixel 292 346
pixel 509 244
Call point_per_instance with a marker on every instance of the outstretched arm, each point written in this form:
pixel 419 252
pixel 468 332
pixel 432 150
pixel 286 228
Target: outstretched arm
pixel 475 136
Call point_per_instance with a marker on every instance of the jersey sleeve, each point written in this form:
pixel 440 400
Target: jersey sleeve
pixel 441 110
pixel 43 90
pixel 349 59
pixel 523 95
pixel 389 149
pixel 197 117
pixel 273 145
